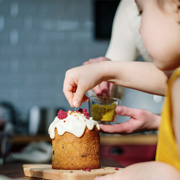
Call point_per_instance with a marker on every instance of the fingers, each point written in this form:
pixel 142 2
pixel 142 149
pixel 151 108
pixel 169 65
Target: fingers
pixel 140 120
pixel 79 96
pixel 121 128
pixel 77 82
pixel 102 89
pixel 97 90
pixel 125 111
pixel 68 88
pixel 74 90
pixel 85 99
pixel 126 127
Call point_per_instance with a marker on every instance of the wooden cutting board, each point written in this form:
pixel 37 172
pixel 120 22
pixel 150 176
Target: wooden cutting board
pixel 45 171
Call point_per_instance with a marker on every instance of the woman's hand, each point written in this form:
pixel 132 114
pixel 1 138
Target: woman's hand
pixel 140 120
pixel 104 88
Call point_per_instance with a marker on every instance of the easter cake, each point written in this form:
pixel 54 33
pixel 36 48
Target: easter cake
pixel 75 141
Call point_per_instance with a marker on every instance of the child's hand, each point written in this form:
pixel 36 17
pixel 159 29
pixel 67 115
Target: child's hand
pixel 79 80
pixel 104 88
pixel 151 170
pixel 140 120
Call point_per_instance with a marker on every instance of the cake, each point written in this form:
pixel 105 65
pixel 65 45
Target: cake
pixel 75 141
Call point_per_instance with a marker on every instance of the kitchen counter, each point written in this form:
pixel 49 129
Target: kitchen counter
pixel 12 170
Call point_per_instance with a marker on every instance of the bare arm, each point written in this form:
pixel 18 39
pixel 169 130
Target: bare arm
pixel 141 76
pixel 137 75
pixel 145 171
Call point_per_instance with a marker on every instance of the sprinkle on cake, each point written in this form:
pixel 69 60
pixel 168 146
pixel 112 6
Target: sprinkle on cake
pixel 73 122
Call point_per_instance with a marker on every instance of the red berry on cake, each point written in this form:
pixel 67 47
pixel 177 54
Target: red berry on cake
pixel 62 114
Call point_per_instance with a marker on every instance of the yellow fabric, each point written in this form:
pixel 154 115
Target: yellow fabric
pixel 167 150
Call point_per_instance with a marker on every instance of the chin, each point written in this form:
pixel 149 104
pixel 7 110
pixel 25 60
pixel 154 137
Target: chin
pixel 164 67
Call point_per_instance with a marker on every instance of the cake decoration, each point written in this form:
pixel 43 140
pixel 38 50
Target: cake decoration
pixel 62 114
pixel 74 122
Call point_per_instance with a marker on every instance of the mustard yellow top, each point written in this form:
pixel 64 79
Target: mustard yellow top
pixel 167 150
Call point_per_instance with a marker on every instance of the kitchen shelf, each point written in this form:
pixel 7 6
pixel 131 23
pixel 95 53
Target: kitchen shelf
pixel 105 139
pixel 140 139
pixel 21 139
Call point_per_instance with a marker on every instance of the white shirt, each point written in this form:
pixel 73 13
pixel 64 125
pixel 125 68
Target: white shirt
pixel 126 43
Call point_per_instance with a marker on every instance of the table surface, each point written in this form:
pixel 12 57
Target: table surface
pixel 12 170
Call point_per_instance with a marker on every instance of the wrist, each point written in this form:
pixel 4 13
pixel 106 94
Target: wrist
pixel 108 71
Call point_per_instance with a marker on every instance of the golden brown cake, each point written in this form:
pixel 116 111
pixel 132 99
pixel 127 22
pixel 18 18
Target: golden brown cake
pixel 75 141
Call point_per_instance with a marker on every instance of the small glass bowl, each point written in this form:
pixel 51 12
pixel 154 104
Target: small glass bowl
pixel 102 109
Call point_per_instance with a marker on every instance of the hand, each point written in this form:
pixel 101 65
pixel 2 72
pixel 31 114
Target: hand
pixel 140 120
pixel 151 170
pixel 104 88
pixel 79 80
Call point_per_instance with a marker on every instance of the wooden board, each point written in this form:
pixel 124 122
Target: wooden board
pixel 45 171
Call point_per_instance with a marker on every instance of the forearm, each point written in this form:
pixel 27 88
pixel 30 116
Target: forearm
pixel 141 76
pixel 145 171
pixel 137 75
pixel 150 171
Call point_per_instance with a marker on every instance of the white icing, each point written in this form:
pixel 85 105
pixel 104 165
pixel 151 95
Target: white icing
pixel 74 123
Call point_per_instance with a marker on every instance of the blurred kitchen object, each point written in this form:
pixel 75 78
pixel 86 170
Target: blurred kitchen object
pixel 40 119
pixel 7 117
pixel 7 121
pixel 35 152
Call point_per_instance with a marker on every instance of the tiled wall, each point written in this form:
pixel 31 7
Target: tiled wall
pixel 39 41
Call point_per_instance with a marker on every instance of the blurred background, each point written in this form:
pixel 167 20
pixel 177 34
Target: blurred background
pixel 39 41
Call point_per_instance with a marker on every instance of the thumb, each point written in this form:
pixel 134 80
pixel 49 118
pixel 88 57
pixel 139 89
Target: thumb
pixel 125 111
pixel 78 96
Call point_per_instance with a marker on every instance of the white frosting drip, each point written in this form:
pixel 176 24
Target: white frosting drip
pixel 74 123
